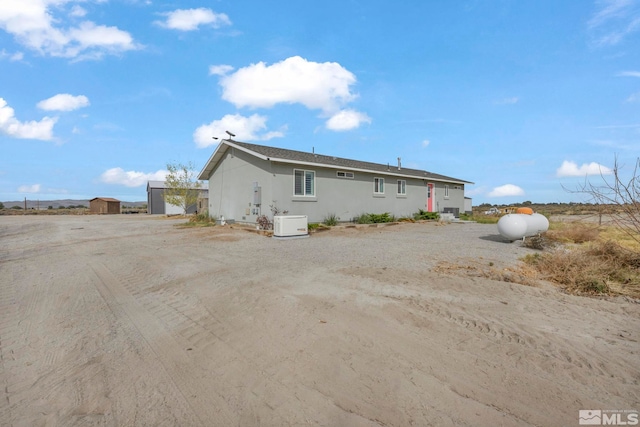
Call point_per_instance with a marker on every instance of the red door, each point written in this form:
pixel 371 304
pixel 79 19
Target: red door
pixel 430 197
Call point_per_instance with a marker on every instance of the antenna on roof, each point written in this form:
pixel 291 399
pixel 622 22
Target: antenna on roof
pixel 313 150
pixel 230 134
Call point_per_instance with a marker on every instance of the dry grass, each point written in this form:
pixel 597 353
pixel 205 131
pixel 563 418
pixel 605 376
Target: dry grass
pixel 572 232
pixel 587 259
pixel 583 259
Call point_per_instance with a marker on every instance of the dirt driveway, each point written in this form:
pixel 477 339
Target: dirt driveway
pixel 128 320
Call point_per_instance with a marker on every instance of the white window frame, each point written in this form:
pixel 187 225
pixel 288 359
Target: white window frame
pixel 344 174
pixel 402 187
pixel 304 183
pixel 378 184
pixel 446 191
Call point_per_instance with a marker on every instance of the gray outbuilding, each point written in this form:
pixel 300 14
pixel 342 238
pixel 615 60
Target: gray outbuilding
pixel 157 205
pixel 247 180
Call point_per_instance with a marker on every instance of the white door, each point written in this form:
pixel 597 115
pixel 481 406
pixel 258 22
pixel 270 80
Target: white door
pixel 172 209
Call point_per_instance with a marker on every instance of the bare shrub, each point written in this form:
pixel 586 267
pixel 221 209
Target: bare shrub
pixel 573 233
pixel 573 270
pixel 599 268
pixel 539 242
pixel 616 254
pixel 264 222
pixel 618 198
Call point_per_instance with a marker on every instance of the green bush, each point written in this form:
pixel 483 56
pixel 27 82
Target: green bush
pixel 374 218
pixel 202 219
pixel 330 220
pixel 424 215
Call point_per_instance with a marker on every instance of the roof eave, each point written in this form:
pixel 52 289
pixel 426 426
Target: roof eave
pixel 372 171
pixel 217 156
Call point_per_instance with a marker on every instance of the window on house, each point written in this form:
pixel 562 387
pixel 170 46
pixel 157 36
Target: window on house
pixel 378 185
pixel 446 191
pixel 343 174
pixel 402 187
pixel 304 183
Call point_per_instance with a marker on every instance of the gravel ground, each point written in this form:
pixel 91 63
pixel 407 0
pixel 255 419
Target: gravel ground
pixel 132 320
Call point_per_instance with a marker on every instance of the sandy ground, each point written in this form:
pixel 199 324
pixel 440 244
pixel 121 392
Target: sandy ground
pixel 128 320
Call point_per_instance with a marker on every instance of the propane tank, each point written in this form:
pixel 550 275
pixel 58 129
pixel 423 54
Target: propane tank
pixel 517 226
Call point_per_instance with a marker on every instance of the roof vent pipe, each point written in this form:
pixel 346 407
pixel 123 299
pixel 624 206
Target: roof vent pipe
pixel 399 163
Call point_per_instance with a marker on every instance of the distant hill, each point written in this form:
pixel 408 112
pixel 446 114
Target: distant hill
pixel 55 204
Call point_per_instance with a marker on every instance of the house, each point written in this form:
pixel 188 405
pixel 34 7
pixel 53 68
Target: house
pixel 104 205
pixel 157 205
pixel 468 208
pixel 247 180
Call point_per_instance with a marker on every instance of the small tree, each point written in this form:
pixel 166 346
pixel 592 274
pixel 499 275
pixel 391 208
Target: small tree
pixel 182 190
pixel 1 205
pixel 618 198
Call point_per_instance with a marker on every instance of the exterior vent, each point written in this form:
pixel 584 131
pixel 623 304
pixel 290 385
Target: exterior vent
pixel 289 225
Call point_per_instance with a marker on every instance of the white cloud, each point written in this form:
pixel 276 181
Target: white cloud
pixel 11 126
pixel 12 56
pixel 77 11
pixel 506 190
pixel 634 97
pixel 131 178
pixel 426 143
pixel 322 86
pixel 245 129
pixel 63 102
pixel 628 74
pixel 35 188
pixel 571 169
pixel 507 101
pixel 614 21
pixel 191 19
pixel 220 70
pixel 33 24
pixel 347 120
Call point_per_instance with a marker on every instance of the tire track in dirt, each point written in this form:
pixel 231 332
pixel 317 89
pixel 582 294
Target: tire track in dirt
pixel 502 333
pixel 204 334
pixel 178 366
pixel 250 383
pixel 8 312
pixel 539 344
pixel 426 307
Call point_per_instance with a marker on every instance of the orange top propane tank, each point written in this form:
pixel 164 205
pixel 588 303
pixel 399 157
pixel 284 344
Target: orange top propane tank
pixel 526 211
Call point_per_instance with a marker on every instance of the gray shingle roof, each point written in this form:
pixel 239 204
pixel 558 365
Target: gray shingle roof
pixel 281 154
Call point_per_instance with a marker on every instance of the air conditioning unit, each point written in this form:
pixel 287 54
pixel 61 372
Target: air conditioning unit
pixel 289 225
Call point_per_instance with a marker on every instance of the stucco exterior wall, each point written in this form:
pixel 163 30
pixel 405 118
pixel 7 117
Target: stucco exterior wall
pixel 231 187
pixel 231 192
pixel 347 197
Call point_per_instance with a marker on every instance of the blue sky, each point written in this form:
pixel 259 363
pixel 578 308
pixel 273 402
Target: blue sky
pixel 520 97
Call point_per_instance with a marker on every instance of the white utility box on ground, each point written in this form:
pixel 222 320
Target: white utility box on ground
pixel 290 225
